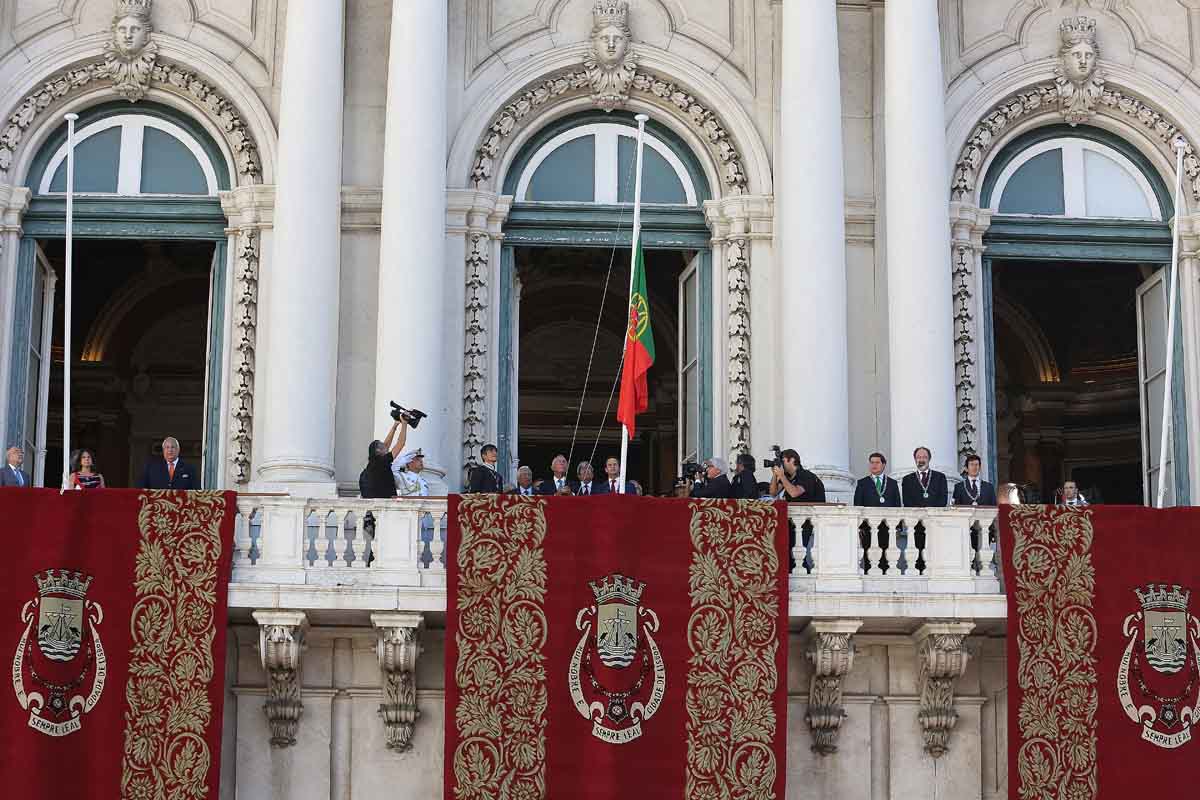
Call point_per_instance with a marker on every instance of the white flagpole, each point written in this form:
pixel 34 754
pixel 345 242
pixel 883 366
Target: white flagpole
pixel 637 234
pixel 1180 145
pixel 66 474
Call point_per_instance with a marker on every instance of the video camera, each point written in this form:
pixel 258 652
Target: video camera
pixel 777 461
pixel 688 470
pixel 410 415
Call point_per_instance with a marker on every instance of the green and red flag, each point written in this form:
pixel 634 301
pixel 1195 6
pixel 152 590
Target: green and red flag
pixel 639 348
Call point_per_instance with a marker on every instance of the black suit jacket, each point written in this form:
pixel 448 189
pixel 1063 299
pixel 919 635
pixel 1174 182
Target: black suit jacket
pixel 155 475
pixel 719 487
pixel 987 494
pixel 939 495
pixel 602 487
pixel 8 479
pixel 744 486
pixel 547 486
pixel 484 479
pixel 866 495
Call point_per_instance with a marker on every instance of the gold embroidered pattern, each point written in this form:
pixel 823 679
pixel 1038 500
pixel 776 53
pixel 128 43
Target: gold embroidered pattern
pixel 173 627
pixel 500 671
pixel 1054 591
pixel 733 635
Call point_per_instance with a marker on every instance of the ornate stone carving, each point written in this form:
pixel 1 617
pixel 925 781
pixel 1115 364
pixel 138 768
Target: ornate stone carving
pixel 963 278
pixel 130 54
pixel 830 650
pixel 397 649
pixel 1113 102
pixel 169 77
pixel 280 646
pixel 738 276
pixel 1079 80
pixel 610 65
pixel 941 660
pixel 246 324
pixel 475 349
pixel 573 83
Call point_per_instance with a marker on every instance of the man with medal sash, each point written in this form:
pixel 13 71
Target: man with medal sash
pixel 877 489
pixel 974 491
pixel 924 488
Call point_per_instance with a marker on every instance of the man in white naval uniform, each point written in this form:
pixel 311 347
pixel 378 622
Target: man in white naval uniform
pixel 410 483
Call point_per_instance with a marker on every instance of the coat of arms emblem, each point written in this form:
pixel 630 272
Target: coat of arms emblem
pixel 1159 679
pixel 59 668
pixel 617 676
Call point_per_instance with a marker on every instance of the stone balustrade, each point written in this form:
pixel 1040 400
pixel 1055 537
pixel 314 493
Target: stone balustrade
pixel 366 556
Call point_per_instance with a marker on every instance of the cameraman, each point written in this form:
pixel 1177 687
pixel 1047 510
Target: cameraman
pixel 744 485
pixel 714 483
pixel 376 479
pixel 792 483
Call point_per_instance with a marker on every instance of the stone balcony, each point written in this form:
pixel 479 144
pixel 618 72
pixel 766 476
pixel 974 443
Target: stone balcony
pixel 312 555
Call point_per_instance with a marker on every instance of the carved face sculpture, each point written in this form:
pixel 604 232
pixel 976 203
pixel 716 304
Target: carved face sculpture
pixel 1079 62
pixel 610 43
pixel 130 35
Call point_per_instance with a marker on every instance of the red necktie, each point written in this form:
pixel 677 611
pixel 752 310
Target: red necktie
pixel 170 470
pixel 613 486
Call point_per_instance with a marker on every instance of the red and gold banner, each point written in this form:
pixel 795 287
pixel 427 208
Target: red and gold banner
pixel 113 613
pixel 1103 651
pixel 610 646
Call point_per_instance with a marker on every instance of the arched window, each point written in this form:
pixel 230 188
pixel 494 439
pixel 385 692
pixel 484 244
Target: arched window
pixel 596 164
pixel 1079 178
pixel 130 155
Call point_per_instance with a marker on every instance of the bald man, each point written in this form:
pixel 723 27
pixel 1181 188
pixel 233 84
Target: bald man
pixel 170 471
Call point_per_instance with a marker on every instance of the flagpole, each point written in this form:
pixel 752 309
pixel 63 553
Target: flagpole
pixel 70 237
pixel 1180 146
pixel 637 235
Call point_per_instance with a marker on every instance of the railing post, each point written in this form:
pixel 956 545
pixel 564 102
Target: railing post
pixel 837 552
pixel 281 541
pixel 948 553
pixel 397 533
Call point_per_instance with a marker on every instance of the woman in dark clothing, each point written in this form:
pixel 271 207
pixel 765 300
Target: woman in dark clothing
pixel 376 479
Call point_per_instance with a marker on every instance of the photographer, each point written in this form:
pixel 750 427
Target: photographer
pixel 712 482
pixel 745 487
pixel 376 479
pixel 792 483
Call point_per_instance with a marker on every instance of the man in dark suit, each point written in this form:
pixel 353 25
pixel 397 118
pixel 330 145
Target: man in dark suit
pixel 558 483
pixel 877 489
pixel 612 479
pixel 524 483
pixel 744 485
pixel 715 483
pixel 974 491
pixel 12 474
pixel 586 484
pixel 485 478
pixel 170 471
pixel 925 488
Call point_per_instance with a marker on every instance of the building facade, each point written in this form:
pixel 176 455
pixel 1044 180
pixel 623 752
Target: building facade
pixel 868 226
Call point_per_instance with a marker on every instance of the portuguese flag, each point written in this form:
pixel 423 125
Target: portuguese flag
pixel 639 348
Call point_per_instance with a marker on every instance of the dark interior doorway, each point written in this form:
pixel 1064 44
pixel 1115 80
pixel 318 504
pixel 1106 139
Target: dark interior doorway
pixel 562 291
pixel 1066 377
pixel 139 352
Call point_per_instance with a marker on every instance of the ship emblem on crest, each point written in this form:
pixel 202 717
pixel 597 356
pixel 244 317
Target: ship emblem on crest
pixel 617 675
pixel 59 668
pixel 1159 678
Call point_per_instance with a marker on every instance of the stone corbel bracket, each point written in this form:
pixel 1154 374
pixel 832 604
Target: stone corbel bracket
pixel 397 648
pixel 830 650
pixel 280 646
pixel 941 659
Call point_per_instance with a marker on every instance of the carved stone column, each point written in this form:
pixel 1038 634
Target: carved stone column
pixel 280 646
pixel 397 648
pixel 941 660
pixel 967 225
pixel 830 650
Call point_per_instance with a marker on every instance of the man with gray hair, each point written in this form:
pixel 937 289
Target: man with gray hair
pixel 524 482
pixel 715 482
pixel 170 471
pixel 11 473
